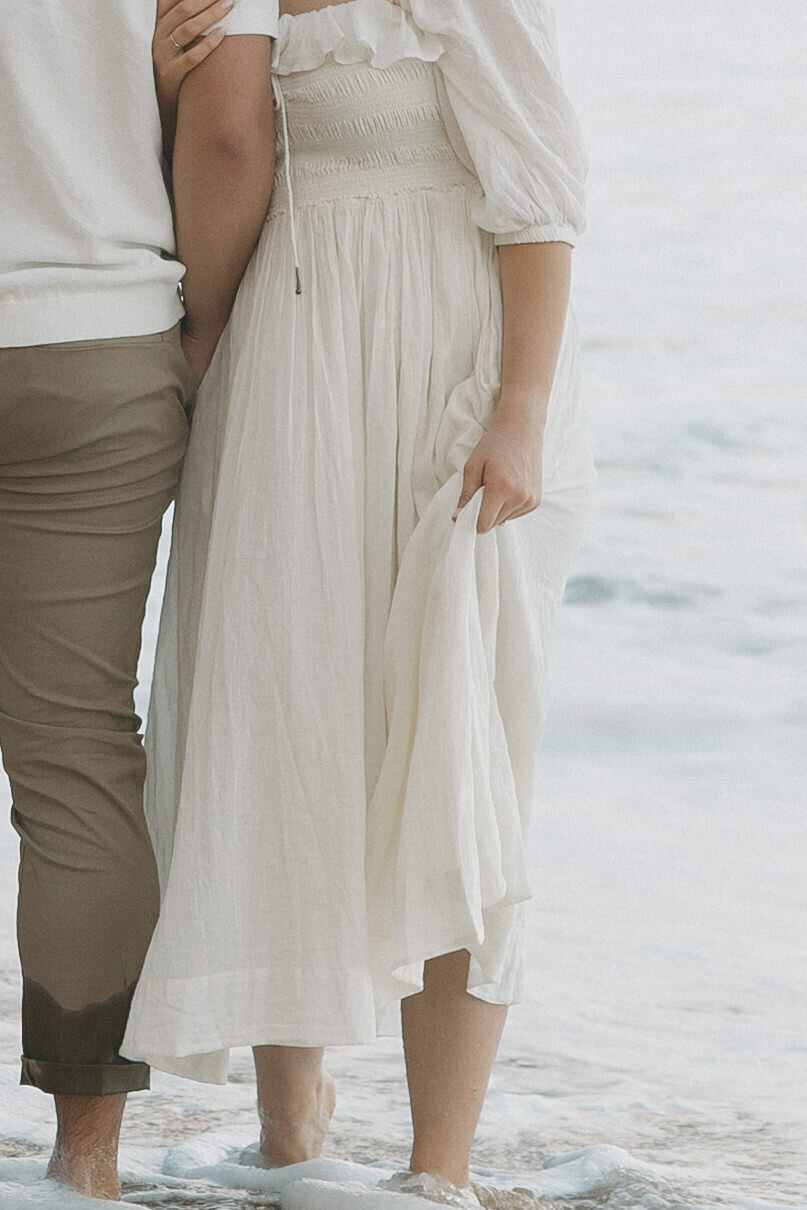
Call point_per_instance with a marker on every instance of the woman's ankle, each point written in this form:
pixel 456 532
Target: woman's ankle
pixel 449 1168
pixel 294 1121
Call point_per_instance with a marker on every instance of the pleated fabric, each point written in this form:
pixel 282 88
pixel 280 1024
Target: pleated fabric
pixel 350 688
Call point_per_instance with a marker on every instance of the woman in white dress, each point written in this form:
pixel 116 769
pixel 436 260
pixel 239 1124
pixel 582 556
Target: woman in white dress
pixel 351 672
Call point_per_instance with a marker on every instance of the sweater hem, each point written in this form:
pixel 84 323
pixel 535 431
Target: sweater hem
pixel 93 315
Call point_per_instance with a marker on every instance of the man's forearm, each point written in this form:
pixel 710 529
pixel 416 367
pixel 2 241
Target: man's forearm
pixel 223 170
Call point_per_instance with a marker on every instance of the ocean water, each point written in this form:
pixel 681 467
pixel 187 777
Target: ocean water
pixel 660 1060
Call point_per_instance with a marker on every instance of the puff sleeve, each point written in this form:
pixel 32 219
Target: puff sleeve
pixel 508 116
pixel 253 17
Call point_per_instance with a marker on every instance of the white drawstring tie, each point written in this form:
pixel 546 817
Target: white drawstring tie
pixel 280 105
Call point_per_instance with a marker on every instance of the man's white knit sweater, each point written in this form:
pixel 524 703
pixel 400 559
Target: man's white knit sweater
pixel 86 239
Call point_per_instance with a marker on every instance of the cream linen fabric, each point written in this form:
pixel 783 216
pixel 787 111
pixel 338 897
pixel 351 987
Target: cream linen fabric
pixel 350 688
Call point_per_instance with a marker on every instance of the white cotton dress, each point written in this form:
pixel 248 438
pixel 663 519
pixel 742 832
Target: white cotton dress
pixel 350 687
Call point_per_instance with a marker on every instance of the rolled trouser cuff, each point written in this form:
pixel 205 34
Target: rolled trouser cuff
pixel 85 1079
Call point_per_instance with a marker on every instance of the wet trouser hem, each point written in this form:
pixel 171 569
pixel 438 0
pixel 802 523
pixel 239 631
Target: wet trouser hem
pixel 85 1079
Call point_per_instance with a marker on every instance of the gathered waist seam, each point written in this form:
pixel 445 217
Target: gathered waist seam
pixel 280 207
pixel 372 174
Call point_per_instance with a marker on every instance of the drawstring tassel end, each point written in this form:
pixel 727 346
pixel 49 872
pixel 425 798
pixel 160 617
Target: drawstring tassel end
pixel 280 104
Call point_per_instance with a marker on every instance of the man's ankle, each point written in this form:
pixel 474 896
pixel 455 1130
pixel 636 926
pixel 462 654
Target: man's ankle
pixel 85 1155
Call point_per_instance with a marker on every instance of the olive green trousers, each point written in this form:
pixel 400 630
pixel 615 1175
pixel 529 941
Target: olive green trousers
pixel 92 436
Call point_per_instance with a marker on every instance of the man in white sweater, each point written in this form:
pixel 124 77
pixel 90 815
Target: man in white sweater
pixel 94 386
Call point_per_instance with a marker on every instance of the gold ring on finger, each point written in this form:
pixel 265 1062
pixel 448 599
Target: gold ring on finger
pixel 176 44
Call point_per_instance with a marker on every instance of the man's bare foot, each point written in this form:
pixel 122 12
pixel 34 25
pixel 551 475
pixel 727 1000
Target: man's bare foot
pixel 91 1176
pixel 292 1133
pixel 85 1155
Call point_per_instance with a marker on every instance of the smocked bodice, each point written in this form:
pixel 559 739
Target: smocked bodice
pixel 362 132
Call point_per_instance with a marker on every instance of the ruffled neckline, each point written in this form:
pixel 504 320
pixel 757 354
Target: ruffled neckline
pixel 377 32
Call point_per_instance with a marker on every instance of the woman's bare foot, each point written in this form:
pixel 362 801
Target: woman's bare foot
pixel 433 1189
pixel 296 1100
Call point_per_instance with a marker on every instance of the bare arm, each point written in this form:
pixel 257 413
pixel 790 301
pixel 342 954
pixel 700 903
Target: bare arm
pixel 507 460
pixel 223 171
pixel 535 297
